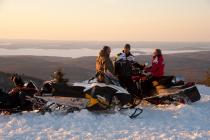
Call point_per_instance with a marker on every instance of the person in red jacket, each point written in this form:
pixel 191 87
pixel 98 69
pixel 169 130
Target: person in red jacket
pixel 158 65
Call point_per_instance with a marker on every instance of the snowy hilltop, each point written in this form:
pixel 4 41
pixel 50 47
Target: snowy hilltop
pixel 156 122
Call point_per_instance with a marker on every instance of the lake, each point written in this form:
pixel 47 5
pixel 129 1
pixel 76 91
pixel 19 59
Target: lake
pixel 77 49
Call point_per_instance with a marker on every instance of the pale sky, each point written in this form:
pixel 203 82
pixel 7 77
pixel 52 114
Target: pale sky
pixel 106 20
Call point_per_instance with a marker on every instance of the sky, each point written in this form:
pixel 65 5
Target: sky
pixel 106 20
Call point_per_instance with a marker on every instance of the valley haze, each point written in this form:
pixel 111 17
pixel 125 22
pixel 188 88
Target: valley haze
pixel 39 58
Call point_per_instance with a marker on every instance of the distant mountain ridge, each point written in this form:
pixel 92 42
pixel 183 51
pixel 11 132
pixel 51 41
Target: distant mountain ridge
pixel 192 66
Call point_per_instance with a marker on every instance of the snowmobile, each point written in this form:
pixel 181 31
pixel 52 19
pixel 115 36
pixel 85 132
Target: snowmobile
pixel 58 96
pixel 90 95
pixel 166 90
pixel 18 99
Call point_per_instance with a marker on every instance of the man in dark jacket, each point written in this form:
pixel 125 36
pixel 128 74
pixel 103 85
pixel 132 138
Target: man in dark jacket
pixel 125 54
pixel 124 63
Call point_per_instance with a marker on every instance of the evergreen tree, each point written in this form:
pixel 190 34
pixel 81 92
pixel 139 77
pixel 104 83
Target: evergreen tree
pixel 207 78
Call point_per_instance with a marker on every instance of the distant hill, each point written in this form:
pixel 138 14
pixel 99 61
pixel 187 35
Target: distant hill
pixel 190 65
pixel 43 67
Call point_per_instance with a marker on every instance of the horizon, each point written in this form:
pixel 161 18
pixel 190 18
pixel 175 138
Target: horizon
pixel 106 20
pixel 120 41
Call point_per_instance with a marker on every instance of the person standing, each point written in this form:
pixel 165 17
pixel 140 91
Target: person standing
pixel 124 63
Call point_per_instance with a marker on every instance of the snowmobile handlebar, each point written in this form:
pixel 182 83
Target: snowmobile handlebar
pixel 139 74
pixel 138 71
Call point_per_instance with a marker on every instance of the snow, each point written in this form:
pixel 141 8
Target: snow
pixel 156 122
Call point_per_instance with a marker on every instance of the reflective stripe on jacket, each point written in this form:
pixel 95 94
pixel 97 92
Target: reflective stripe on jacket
pixel 123 56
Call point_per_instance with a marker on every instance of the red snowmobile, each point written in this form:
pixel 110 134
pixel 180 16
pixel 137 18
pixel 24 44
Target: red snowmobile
pixel 20 98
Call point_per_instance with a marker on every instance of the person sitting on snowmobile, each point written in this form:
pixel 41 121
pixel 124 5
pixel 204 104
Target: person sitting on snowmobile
pixel 17 95
pixel 124 63
pixel 58 77
pixel 157 79
pixel 18 83
pixel 158 65
pixel 104 65
pixel 55 85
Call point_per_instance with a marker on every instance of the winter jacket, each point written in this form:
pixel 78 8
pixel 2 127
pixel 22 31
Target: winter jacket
pixel 124 63
pixel 157 68
pixel 104 63
pixel 124 56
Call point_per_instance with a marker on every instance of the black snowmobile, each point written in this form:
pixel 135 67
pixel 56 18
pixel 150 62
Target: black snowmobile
pixel 166 90
pixel 89 95
pixel 57 95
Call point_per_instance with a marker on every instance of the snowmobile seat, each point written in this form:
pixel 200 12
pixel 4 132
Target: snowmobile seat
pixel 166 81
pixel 68 91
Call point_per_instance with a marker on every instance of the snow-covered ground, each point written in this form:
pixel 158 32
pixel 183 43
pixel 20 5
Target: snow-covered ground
pixel 162 122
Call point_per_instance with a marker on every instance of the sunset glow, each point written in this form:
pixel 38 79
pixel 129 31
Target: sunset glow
pixel 106 20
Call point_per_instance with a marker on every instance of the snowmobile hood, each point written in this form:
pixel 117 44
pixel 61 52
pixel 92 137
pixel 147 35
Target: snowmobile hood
pixel 88 86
